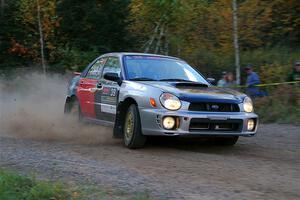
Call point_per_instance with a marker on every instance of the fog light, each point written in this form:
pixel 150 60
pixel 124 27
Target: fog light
pixel 250 125
pixel 169 123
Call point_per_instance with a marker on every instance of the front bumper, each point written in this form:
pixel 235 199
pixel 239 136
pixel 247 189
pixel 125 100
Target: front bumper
pixel 151 121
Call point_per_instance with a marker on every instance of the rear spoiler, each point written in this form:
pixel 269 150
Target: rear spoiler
pixel 76 73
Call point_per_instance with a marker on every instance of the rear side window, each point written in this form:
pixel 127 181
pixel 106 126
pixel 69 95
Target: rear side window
pixel 95 71
pixel 112 66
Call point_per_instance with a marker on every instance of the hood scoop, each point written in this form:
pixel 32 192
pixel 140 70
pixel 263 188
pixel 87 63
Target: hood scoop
pixel 190 85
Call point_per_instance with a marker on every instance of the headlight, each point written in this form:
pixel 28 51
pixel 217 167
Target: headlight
pixel 248 105
pixel 170 101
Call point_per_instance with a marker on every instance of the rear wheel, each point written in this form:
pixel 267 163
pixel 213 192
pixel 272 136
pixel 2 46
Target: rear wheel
pixel 133 137
pixel 226 141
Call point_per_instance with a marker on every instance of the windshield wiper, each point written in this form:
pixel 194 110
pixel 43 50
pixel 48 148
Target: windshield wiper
pixel 142 79
pixel 175 79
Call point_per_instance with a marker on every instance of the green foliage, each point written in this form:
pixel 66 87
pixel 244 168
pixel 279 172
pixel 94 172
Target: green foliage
pixel 94 24
pixel 74 58
pixel 273 64
pixel 200 31
pixel 274 73
pixel 27 17
pixel 282 105
pixel 14 186
pixel 10 29
pixel 281 55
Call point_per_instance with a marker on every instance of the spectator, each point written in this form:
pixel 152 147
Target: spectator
pixel 229 80
pixel 295 75
pixel 252 81
pixel 222 81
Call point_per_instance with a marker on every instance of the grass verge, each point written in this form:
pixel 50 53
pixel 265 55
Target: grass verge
pixel 281 106
pixel 14 186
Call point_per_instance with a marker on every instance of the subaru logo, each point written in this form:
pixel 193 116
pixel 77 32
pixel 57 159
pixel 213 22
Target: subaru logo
pixel 214 107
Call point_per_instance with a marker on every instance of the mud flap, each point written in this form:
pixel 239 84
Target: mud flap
pixel 67 105
pixel 117 132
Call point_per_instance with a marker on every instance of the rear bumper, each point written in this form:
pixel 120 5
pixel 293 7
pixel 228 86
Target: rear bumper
pixel 151 121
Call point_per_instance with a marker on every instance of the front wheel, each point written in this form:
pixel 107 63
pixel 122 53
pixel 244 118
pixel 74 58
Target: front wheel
pixel 226 141
pixel 133 137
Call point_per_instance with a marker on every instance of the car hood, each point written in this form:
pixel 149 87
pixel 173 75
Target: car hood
pixel 198 92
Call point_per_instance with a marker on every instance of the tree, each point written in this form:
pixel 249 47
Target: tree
pixel 199 31
pixel 40 21
pixel 94 24
pixel 236 42
pixel 41 36
pixel 161 26
pixel 11 35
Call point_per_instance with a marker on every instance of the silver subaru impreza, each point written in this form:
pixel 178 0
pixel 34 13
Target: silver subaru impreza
pixel 144 95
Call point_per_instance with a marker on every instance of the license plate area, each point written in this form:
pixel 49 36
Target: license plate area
pixel 204 124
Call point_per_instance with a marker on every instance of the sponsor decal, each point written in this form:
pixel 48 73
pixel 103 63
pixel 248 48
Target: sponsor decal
pixel 112 92
pixel 105 90
pixel 108 108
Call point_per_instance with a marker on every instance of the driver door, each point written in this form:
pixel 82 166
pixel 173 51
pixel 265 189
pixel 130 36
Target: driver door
pixel 106 98
pixel 87 88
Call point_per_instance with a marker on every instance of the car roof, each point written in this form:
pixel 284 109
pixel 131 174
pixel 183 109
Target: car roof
pixel 137 54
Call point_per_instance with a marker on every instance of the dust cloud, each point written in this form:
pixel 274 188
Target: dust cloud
pixel 32 105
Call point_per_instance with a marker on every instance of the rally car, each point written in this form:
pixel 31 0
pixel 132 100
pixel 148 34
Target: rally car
pixel 143 95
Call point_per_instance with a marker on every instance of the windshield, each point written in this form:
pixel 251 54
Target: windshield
pixel 154 68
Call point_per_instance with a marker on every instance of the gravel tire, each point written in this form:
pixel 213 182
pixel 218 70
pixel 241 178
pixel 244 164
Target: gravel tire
pixel 133 137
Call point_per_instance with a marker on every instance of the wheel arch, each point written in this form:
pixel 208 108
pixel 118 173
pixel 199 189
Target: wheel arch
pixel 120 116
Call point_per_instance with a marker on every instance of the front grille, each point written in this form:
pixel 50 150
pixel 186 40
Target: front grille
pixel 203 124
pixel 214 107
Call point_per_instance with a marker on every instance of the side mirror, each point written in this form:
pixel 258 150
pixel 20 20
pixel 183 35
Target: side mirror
pixel 211 80
pixel 113 77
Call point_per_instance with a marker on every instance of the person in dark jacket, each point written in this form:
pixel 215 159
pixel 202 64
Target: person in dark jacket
pixel 252 81
pixel 295 75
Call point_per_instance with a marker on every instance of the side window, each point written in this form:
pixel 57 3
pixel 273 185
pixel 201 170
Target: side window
pixel 95 71
pixel 112 65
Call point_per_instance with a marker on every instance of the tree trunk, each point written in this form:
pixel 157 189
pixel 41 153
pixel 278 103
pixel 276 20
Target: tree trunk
pixel 236 42
pixel 166 48
pixel 41 36
pixel 148 46
pixel 161 34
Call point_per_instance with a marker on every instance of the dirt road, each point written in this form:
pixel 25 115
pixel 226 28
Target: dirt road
pixel 264 167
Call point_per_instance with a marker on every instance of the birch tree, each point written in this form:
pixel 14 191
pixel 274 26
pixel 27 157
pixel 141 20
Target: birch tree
pixel 152 21
pixel 41 34
pixel 236 42
pixel 40 21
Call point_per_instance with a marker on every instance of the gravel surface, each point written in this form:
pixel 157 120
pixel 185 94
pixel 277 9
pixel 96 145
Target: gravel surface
pixel 263 167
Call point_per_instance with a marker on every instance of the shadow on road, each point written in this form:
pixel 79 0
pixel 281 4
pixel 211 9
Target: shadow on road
pixel 204 145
